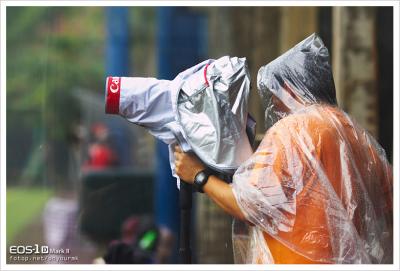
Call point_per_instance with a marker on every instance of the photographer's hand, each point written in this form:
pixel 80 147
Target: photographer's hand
pixel 187 165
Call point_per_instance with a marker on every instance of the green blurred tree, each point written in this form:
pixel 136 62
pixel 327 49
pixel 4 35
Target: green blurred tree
pixel 51 51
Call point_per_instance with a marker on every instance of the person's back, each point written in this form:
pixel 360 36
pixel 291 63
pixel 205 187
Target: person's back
pixel 335 169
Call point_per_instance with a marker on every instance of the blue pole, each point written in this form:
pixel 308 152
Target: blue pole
pixel 181 44
pixel 117 64
pixel 181 40
pixel 117 45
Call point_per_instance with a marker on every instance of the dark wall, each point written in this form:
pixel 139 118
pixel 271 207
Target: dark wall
pixel 384 36
pixel 325 26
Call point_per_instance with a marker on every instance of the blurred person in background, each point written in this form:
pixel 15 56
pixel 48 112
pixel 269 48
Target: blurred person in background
pixel 319 187
pixel 141 242
pixel 60 225
pixel 100 154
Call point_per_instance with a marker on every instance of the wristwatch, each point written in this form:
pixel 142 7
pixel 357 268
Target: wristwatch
pixel 201 179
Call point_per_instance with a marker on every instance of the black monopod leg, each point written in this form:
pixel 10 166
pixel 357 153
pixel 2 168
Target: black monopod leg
pixel 185 202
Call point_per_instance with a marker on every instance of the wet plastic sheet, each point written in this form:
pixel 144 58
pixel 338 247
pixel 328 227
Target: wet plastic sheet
pixel 318 188
pixel 204 110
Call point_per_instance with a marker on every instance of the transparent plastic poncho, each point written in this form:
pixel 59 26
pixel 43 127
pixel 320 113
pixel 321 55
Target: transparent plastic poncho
pixel 319 187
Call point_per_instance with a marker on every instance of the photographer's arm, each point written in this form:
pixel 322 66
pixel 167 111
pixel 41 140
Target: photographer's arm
pixel 187 165
pixel 221 193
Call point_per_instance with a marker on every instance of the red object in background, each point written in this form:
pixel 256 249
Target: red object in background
pixel 100 154
pixel 100 157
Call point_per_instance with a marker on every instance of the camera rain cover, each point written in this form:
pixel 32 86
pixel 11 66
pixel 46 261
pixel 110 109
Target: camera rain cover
pixel 204 110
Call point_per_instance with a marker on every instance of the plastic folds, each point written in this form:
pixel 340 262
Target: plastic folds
pixel 212 111
pixel 204 110
pixel 319 187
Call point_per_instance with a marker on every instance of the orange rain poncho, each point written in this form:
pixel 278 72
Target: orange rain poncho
pixel 319 188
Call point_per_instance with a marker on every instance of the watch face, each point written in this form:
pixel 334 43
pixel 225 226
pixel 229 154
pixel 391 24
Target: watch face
pixel 200 180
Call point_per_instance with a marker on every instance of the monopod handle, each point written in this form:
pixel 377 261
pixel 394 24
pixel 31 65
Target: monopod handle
pixel 185 203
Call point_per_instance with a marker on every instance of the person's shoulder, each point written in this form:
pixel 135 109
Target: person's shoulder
pixel 317 115
pixel 281 131
pixel 313 118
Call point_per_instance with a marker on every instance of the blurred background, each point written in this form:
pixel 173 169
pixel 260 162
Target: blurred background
pixel 102 187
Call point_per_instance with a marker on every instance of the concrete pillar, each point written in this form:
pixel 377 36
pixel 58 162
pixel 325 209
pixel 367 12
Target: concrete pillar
pixel 297 23
pixel 355 64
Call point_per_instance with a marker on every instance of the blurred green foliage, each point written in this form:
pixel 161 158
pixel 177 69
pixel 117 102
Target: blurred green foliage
pixel 51 51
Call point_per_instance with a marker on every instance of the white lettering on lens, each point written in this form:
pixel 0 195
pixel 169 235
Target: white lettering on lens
pixel 114 87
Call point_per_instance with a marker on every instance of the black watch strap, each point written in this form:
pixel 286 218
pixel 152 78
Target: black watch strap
pixel 201 179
